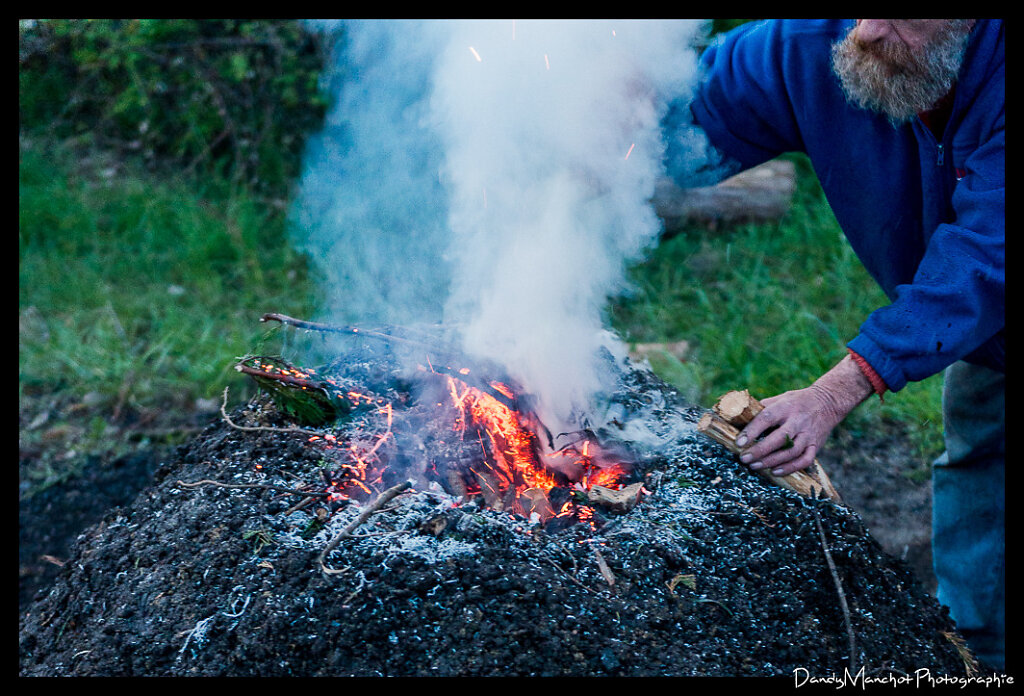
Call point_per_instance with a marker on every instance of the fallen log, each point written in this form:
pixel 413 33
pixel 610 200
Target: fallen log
pixel 760 194
pixel 723 424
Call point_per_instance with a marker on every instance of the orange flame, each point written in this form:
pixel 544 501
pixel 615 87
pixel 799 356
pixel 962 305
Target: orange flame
pixel 513 446
pixel 512 471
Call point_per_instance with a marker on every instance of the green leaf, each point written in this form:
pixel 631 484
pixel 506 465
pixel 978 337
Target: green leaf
pixel 300 394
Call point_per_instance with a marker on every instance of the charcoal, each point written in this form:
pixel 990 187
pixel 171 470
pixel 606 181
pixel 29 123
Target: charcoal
pixel 716 573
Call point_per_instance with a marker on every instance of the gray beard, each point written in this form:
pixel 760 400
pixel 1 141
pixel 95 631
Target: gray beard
pixel 892 80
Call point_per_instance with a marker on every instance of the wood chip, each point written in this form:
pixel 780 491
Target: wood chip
pixel 606 572
pixel 622 500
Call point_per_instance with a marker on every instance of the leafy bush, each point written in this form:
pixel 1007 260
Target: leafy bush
pixel 233 97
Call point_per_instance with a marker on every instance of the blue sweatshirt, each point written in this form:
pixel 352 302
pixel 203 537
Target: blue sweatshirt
pixel 925 216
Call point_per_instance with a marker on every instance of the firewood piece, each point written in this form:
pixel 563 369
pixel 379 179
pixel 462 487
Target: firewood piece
pixel 436 355
pixel 490 487
pixel 309 400
pixel 435 525
pixel 738 407
pixel 811 481
pixel 457 485
pixel 622 500
pixel 719 430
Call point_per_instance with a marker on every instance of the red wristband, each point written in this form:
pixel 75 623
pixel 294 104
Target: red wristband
pixel 877 383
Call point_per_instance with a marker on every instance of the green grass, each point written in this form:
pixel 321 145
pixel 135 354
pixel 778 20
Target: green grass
pixel 767 307
pixel 142 290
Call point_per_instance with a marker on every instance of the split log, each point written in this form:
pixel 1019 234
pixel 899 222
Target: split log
pixel 723 424
pixel 760 194
pixel 738 407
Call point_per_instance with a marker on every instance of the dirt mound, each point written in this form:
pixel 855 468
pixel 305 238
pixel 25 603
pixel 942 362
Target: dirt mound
pixel 713 573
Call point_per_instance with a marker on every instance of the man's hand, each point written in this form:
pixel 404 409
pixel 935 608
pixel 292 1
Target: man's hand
pixel 802 419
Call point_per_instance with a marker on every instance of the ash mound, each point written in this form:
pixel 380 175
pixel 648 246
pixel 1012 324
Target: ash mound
pixel 713 572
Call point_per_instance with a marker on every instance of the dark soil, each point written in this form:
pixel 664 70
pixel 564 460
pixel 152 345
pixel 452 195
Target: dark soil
pixel 714 573
pixel 52 519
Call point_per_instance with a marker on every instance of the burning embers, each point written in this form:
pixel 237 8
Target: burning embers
pixel 445 429
pixel 513 472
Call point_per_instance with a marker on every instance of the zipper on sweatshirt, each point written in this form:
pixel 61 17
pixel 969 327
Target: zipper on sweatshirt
pixel 940 151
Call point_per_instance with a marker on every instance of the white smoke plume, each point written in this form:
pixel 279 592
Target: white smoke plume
pixel 496 175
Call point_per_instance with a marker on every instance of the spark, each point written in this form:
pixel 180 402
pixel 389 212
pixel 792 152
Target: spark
pixel 475 54
pixel 630 151
pixel 546 63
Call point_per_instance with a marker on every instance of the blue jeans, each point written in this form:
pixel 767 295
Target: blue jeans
pixel 968 504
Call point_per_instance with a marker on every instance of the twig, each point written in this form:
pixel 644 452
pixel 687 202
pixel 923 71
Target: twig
pixel 284 379
pixel 839 591
pixel 265 428
pixel 970 662
pixel 299 505
pixel 569 575
pixel 382 500
pixel 362 582
pixel 756 513
pixel 329 328
pixel 265 486
pixel 705 600
pixel 440 353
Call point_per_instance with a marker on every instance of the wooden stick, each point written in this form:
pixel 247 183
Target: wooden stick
pixel 436 356
pixel 842 595
pixel 284 379
pixel 382 500
pixel 330 328
pixel 723 424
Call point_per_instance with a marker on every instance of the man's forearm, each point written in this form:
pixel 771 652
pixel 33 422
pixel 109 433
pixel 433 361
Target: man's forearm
pixel 845 385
